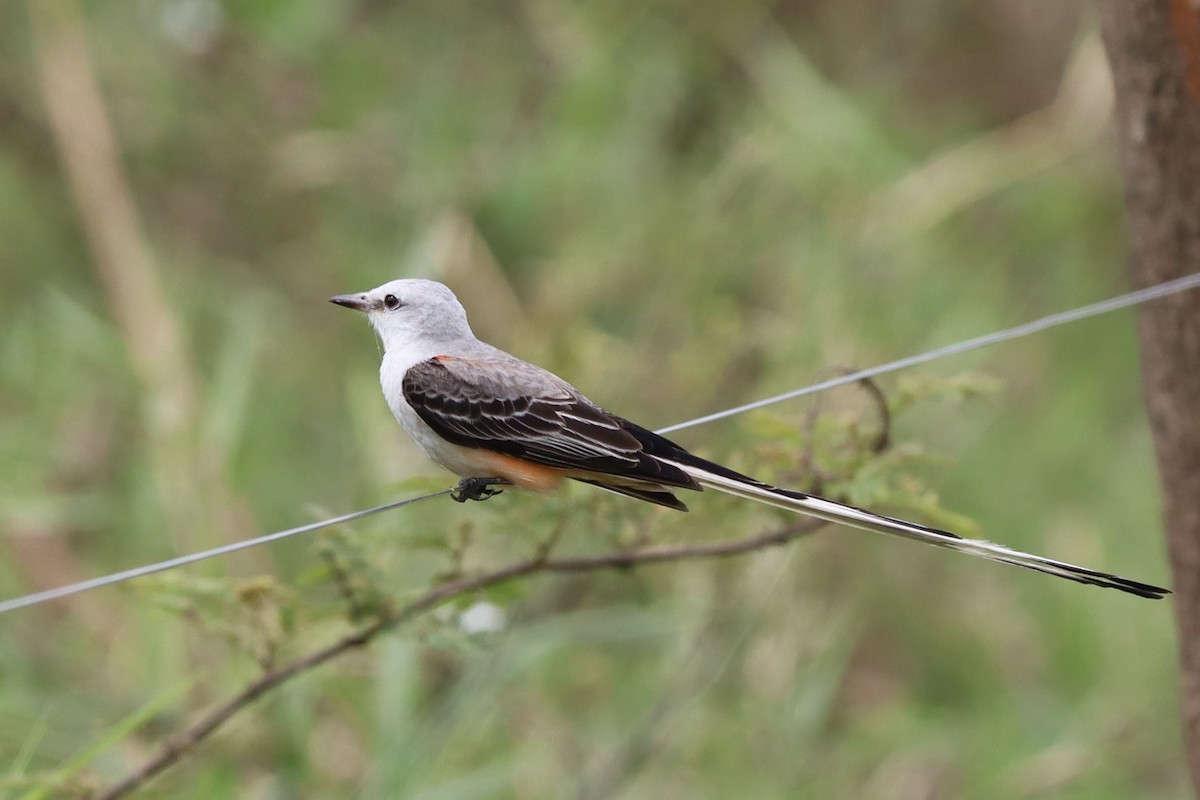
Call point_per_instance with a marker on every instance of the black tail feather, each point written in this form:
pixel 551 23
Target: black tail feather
pixel 657 496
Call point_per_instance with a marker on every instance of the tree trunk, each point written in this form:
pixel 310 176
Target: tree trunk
pixel 1154 50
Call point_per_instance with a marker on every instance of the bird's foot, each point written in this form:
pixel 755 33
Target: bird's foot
pixel 476 489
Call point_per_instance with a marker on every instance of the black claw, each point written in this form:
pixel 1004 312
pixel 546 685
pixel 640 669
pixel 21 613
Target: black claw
pixel 476 489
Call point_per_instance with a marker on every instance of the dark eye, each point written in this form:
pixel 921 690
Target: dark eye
pixel 391 302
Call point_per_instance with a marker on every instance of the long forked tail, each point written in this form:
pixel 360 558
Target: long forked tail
pixel 726 480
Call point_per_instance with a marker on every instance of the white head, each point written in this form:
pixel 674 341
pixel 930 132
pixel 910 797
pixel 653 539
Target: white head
pixel 409 312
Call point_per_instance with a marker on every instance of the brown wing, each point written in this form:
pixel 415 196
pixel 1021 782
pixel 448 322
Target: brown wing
pixel 523 411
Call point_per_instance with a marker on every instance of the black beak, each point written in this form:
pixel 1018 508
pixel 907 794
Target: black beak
pixel 358 302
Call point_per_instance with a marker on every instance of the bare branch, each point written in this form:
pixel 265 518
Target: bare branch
pixel 179 745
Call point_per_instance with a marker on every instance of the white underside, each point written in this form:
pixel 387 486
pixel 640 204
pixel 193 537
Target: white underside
pixel 391 377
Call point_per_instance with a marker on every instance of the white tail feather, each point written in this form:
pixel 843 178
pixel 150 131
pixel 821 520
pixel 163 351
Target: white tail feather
pixel 831 511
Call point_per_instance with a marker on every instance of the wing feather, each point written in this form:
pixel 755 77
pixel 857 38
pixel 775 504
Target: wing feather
pixel 521 410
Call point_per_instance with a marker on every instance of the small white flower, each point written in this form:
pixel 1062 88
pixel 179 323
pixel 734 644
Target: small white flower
pixel 482 617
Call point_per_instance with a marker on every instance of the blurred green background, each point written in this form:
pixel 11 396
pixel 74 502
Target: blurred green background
pixel 676 206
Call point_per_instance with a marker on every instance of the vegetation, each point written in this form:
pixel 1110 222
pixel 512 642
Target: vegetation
pixel 678 207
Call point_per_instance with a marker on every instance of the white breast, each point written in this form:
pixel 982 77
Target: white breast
pixel 437 449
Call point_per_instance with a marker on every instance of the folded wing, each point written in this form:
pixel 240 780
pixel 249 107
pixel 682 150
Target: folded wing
pixel 521 410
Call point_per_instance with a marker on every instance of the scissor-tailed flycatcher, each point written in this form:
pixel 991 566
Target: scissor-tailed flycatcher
pixel 492 418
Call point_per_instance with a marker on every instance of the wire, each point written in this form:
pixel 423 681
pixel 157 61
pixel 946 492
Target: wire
pixel 1062 318
pixel 161 566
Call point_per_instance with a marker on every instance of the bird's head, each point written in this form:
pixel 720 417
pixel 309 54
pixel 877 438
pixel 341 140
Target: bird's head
pixel 410 311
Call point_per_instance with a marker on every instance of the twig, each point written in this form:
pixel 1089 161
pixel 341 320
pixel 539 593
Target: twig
pixel 883 440
pixel 179 745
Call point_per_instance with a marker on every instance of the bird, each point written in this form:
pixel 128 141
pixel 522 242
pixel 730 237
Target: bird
pixel 496 420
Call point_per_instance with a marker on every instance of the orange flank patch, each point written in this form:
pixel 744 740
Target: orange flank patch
pixel 517 471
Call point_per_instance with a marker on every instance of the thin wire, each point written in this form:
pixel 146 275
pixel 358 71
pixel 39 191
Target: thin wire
pixel 1122 301
pixel 1131 299
pixel 161 566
